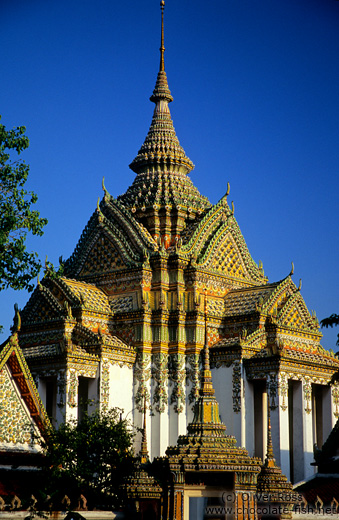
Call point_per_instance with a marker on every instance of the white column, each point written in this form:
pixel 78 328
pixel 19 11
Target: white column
pixel 279 424
pixel 249 416
pixel 226 391
pixel 160 433
pixel 60 398
pixel 297 417
pixel 335 403
pixel 308 437
pixel 327 415
pixel 260 418
pixel 71 405
pixel 159 394
pixel 239 403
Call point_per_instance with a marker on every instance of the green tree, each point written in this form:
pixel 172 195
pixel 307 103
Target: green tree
pixel 17 266
pixel 331 321
pixel 89 457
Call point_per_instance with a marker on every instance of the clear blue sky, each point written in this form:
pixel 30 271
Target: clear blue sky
pixel 256 103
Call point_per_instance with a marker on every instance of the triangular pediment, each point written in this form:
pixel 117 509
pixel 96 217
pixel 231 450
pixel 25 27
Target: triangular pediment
pixel 218 245
pixel 283 291
pixel 112 240
pixel 42 306
pixel 23 417
pixel 228 254
pixel 103 257
pixel 295 315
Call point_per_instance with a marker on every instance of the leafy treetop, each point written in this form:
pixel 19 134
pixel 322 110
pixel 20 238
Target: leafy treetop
pixel 17 266
pixel 90 456
pixel 331 321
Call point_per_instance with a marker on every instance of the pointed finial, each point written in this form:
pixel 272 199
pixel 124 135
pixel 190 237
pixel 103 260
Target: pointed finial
pixel 162 46
pixel 17 320
pixel 292 269
pixel 143 449
pixel 270 461
pixel 206 349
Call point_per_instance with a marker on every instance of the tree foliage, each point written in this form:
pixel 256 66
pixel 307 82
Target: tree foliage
pixel 331 321
pixel 17 266
pixel 89 457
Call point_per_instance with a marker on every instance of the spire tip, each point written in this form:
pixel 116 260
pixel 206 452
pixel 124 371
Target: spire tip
pixel 162 45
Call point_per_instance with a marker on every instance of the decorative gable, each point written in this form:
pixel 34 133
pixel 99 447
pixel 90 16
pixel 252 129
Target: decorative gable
pixel 228 258
pixel 103 257
pixel 111 241
pixel 42 306
pixel 16 426
pixel 23 417
pixel 295 315
pixel 218 245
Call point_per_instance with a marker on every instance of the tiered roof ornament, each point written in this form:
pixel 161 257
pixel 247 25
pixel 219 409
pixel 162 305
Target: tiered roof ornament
pixel 162 196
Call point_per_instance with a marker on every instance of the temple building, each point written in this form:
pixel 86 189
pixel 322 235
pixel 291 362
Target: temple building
pixel 125 322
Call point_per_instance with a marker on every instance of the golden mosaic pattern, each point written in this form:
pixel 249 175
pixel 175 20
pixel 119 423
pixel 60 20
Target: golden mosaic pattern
pixel 228 259
pixel 103 257
pixel 15 426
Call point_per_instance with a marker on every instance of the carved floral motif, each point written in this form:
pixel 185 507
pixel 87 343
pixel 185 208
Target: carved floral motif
pixel 160 377
pixel 283 388
pixel 335 394
pixel 272 388
pixel 177 376
pixel 104 390
pixel 307 388
pixel 142 374
pixel 236 381
pixel 72 389
pixel 192 375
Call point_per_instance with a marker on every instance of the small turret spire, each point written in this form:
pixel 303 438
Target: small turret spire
pixel 162 46
pixel 206 420
pixel 143 450
pixel 270 460
pixel 206 380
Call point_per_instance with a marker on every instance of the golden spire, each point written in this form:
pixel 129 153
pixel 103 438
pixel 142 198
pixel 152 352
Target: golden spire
pixel 162 46
pixel 206 380
pixel 206 420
